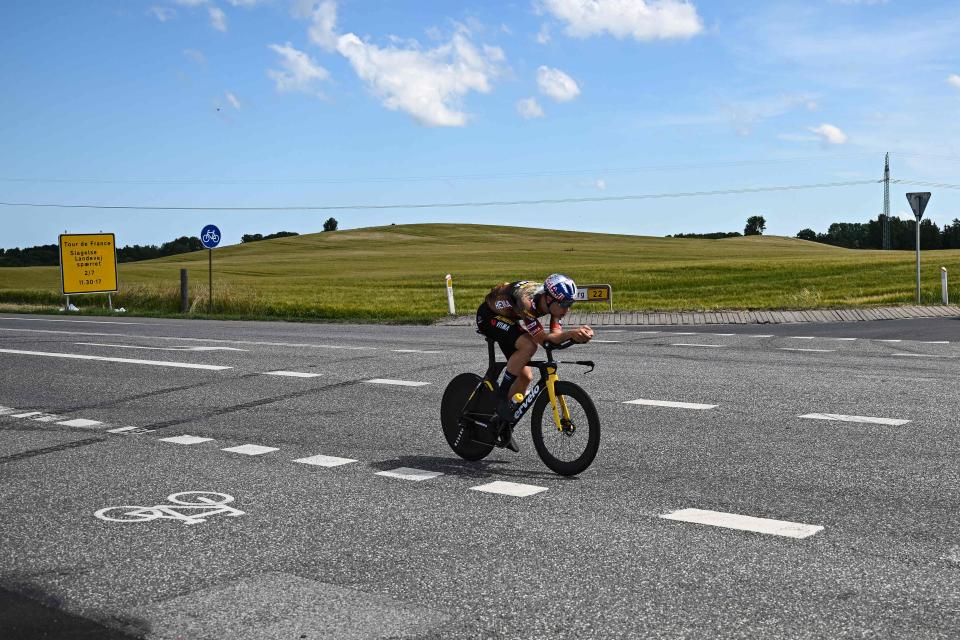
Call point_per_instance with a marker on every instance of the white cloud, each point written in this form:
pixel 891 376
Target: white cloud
pixel 556 84
pixel 427 84
pixel 639 19
pixel 232 99
pixel 529 108
pixel 323 30
pixel 218 19
pixel 543 36
pixel 196 56
pixel 954 80
pixel 161 13
pixel 601 184
pixel 299 72
pixel 829 134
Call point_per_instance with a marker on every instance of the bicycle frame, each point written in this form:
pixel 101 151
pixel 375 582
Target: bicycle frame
pixel 547 382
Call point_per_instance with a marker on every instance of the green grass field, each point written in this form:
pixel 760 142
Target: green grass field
pixel 396 274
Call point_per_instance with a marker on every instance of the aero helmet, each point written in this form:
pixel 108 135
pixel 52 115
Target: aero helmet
pixel 560 288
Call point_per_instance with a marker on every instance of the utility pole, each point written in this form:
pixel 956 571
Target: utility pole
pixel 885 219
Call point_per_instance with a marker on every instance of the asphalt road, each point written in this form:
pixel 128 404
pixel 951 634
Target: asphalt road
pixel 856 504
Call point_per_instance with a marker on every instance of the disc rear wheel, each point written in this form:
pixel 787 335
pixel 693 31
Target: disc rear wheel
pixel 460 435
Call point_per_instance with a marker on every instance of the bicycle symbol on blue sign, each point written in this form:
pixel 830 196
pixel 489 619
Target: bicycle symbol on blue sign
pixel 210 236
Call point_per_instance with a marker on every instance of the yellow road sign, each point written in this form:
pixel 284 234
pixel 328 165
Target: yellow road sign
pixel 88 263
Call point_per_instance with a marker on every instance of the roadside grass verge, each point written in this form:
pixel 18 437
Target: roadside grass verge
pixel 396 274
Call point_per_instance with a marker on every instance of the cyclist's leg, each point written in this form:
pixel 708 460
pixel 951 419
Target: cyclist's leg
pixel 524 350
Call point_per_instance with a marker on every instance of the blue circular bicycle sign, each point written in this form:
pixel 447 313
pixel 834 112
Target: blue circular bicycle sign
pixel 210 236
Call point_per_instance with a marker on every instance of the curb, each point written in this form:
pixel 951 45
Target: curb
pixel 694 318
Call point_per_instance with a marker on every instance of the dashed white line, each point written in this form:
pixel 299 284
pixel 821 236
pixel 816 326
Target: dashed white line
pixel 122 430
pixel 711 346
pixel 808 350
pixel 889 340
pixel 182 439
pixel 325 461
pixel 251 449
pixel 148 324
pixel 893 422
pixel 77 356
pixel 414 351
pixel 936 342
pixel 48 417
pixel 7 410
pixel 758 335
pixel 28 414
pixel 82 423
pixel 744 523
pixel 923 355
pixel 402 383
pixel 509 488
pixel 408 473
pixel 148 348
pixel 292 374
pixel 606 341
pixel 674 405
pixel 801 337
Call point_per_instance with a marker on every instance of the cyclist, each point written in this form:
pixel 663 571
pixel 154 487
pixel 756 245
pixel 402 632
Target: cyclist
pixel 509 315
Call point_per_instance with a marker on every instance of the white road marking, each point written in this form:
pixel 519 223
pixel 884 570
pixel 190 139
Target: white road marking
pixel 83 423
pixel 250 449
pixel 291 374
pixel 402 383
pixel 181 439
pixel 7 410
pixel 684 344
pixel 137 346
pixel 936 342
pixel 893 422
pixel 808 350
pixel 606 341
pixel 155 363
pixel 48 417
pixel 121 430
pixel 325 461
pixel 668 403
pixel 28 414
pixel 889 340
pixel 509 488
pixel 842 339
pixel 725 334
pixel 683 333
pixel 923 355
pixel 801 337
pixel 648 332
pixel 185 339
pixel 758 335
pixel 414 351
pixel 744 523
pixel 407 473
pixel 147 324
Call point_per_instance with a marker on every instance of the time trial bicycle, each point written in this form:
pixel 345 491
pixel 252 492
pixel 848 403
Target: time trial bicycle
pixel 567 440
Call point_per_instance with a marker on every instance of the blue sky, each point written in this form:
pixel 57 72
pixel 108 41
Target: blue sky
pixel 298 103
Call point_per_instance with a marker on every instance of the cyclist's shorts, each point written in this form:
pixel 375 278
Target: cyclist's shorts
pixel 503 330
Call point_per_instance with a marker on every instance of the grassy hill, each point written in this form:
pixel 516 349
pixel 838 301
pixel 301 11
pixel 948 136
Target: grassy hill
pixel 396 273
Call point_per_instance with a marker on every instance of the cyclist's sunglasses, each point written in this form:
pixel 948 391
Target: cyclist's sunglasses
pixel 564 304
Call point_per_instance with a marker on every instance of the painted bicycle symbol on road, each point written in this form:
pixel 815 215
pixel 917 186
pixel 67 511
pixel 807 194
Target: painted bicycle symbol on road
pixel 189 507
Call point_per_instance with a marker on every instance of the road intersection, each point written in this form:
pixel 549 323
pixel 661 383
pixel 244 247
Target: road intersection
pixel 783 481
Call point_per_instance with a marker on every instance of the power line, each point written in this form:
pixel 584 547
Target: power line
pixel 935 185
pixel 475 176
pixel 450 205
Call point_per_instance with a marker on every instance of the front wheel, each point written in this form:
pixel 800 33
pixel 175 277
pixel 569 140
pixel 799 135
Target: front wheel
pixel 570 447
pixel 459 436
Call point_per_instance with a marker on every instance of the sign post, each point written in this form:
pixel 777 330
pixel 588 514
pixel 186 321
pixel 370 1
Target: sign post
pixel 210 238
pixel 918 202
pixel 943 285
pixel 595 293
pixel 88 264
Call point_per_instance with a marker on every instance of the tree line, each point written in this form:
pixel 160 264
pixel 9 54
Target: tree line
pixel 49 254
pixel 869 235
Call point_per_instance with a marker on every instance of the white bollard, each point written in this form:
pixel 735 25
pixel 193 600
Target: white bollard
pixel 943 285
pixel 453 310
